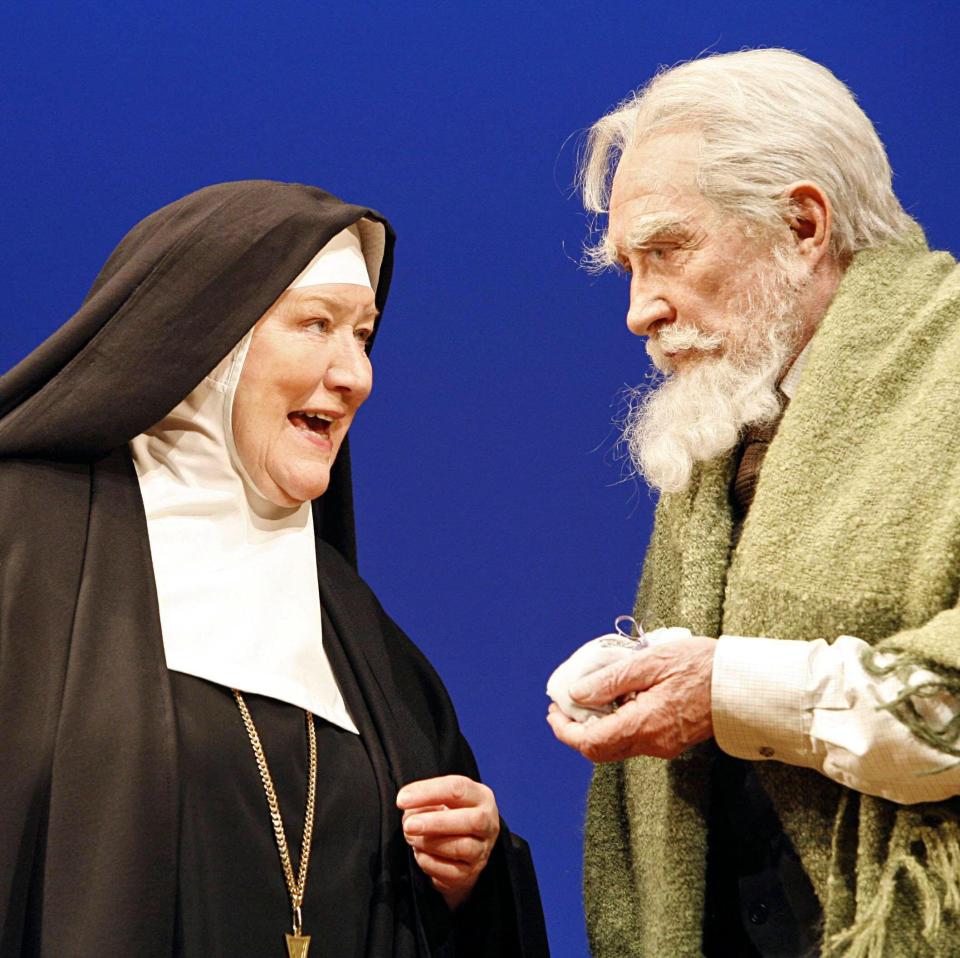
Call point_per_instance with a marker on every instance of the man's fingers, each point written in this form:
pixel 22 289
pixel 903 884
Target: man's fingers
pixel 671 712
pixel 611 738
pixel 643 670
pixel 565 728
pixel 613 681
pixel 557 717
pixel 652 724
pixel 585 736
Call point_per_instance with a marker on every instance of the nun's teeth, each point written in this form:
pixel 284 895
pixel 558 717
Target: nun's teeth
pixel 314 421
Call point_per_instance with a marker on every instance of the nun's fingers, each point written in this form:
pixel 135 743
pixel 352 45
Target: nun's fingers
pixel 452 824
pixel 450 876
pixel 479 821
pixel 463 848
pixel 453 791
pixel 449 806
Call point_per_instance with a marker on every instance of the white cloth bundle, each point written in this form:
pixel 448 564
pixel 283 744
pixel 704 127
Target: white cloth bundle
pixel 594 655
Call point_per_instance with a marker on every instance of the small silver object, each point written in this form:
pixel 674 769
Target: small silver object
pixel 634 639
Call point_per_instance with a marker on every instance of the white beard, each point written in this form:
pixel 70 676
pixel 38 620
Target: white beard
pixel 698 412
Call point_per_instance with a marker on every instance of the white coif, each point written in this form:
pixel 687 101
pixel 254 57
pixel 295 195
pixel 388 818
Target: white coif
pixel 236 575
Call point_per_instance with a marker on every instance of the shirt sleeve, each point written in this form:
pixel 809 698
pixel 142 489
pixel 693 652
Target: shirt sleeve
pixel 813 704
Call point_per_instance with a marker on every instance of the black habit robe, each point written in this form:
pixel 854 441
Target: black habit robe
pixel 88 735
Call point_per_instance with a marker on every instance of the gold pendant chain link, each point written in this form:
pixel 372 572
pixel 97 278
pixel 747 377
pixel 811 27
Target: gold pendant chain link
pixel 295 886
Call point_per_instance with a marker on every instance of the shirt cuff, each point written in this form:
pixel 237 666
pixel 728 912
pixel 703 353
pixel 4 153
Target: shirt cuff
pixel 760 699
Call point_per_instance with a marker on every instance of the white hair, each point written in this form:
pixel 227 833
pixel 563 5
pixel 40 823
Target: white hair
pixel 766 119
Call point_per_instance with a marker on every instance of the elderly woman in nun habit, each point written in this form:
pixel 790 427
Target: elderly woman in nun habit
pixel 214 741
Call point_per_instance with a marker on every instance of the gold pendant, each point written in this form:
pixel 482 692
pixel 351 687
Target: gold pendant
pixel 297 945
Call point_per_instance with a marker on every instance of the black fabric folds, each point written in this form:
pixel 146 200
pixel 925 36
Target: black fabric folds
pixel 88 753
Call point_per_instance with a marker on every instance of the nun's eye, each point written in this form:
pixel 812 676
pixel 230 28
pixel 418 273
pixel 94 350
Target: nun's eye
pixel 319 325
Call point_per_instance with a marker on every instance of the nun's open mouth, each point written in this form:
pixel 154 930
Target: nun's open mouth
pixel 316 423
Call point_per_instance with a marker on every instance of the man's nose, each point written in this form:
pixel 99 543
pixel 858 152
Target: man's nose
pixel 646 311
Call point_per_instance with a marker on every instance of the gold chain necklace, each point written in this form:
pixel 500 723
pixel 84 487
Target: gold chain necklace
pixel 297 943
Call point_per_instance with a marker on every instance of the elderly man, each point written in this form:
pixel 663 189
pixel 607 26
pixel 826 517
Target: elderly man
pixel 789 788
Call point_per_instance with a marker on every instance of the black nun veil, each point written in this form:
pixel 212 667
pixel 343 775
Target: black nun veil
pixel 181 289
pixel 88 748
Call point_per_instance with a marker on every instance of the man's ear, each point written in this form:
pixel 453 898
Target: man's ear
pixel 810 218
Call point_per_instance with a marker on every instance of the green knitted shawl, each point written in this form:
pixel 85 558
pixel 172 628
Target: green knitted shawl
pixel 854 529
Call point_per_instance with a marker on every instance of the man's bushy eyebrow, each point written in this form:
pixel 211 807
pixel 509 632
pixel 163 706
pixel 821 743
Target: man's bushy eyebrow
pixel 605 254
pixel 645 229
pixel 600 256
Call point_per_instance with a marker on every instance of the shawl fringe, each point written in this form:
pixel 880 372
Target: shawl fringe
pixel 927 863
pixel 944 737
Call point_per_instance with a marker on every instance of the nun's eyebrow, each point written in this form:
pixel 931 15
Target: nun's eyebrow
pixel 333 299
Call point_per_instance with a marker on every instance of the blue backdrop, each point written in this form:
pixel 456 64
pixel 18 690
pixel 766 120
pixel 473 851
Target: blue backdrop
pixel 492 522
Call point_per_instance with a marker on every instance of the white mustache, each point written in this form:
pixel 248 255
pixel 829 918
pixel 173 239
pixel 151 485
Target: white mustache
pixel 677 339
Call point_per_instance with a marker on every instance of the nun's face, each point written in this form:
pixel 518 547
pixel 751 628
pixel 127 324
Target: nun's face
pixel 305 375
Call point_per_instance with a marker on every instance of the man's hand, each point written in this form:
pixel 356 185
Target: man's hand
pixel 664 696
pixel 451 823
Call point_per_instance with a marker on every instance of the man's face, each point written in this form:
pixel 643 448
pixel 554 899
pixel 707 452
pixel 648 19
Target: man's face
pixel 691 267
pixel 721 310
pixel 305 376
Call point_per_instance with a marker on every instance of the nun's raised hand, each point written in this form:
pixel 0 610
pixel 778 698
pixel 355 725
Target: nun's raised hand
pixel 451 823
